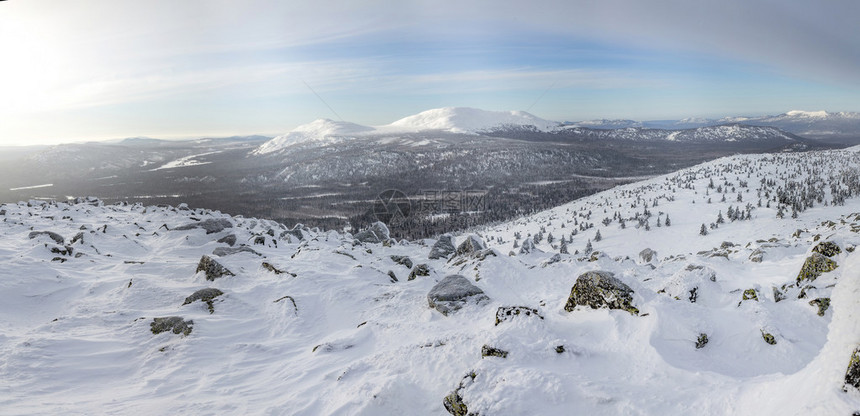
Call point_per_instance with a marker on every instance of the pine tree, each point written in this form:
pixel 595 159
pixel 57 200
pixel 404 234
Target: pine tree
pixel 720 219
pixel 703 230
pixel 563 248
pixel 598 237
pixel 668 222
pixel 588 248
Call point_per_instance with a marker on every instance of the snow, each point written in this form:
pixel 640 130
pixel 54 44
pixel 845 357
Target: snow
pixel 75 338
pixel 322 130
pixel 471 120
pixel 185 162
pixel 807 114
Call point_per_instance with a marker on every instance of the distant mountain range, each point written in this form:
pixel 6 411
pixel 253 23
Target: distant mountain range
pixel 843 126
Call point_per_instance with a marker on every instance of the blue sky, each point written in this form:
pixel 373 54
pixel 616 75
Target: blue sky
pixel 89 70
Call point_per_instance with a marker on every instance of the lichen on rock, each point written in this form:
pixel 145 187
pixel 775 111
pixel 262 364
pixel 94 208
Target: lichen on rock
pixel 814 266
pixel 852 375
pixel 506 313
pixel 768 337
pixel 204 295
pixel 822 303
pixel 212 268
pixel 600 289
pixel 827 248
pixel 174 324
pixel 701 341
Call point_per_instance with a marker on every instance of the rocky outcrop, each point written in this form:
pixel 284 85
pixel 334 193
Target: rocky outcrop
pixel 453 402
pixel 226 251
pixel 814 266
pixel 229 239
pixel 827 248
pixel 701 341
pixel 852 375
pixel 212 268
pixel 419 270
pixel 443 247
pixel 647 255
pixel 768 337
pixel 52 235
pixel 174 324
pixel 206 296
pixel 211 225
pixel 402 260
pixel 377 233
pixel 488 351
pixel 452 293
pixel 507 313
pixel 472 245
pixel 757 256
pixel 600 289
pixel 823 305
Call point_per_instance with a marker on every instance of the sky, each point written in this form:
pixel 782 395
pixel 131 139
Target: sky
pixel 77 70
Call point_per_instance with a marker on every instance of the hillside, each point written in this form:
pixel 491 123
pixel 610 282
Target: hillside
pixel 312 322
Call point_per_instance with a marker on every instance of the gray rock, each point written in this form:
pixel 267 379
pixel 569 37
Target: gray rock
pixel 814 266
pixel 443 247
pixel 453 402
pixel 647 255
pixel 204 295
pixel 852 375
pixel 296 233
pixel 381 230
pixel 377 233
pixel 507 313
pixel 757 256
pixel 174 324
pixel 473 244
pixel 402 260
pixel 211 225
pixel 701 341
pixel 52 235
pixel 488 351
pixel 229 239
pixel 600 289
pixel 419 270
pixel 226 251
pixel 827 248
pixel 452 293
pixel 212 268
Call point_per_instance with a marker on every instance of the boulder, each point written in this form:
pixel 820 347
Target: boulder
pixel 419 270
pixel 174 324
pixel 852 375
pixel 52 235
pixel 827 248
pixel 230 240
pixel 647 255
pixel 443 247
pixel 212 268
pixel 470 246
pixel 757 256
pixel 453 402
pixel 823 305
pixel 204 295
pixel 377 233
pixel 768 337
pixel 402 260
pixel 211 225
pixel 226 251
pixel 814 266
pixel 600 289
pixel 701 341
pixel 452 293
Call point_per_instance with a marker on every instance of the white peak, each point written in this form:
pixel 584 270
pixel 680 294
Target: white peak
pixel 470 120
pixel 807 114
pixel 316 131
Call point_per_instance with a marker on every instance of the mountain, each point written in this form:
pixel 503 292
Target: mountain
pixel 839 127
pixel 471 120
pixel 726 133
pixel 128 309
pixel 319 131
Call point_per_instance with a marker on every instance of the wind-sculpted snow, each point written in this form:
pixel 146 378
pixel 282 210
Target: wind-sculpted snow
pixel 319 323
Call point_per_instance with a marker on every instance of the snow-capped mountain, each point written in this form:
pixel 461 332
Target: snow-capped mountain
pixel 732 290
pixel 710 134
pixel 459 120
pixel 472 120
pixel 812 124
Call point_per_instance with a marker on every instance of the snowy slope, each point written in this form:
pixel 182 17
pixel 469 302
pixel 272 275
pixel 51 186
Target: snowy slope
pixel 317 131
pixel 472 120
pixel 708 134
pixel 349 339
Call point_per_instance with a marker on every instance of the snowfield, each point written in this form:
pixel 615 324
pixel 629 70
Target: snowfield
pixel 312 322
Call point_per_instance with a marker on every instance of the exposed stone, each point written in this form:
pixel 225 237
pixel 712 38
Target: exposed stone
pixel 488 351
pixel 204 295
pixel 226 251
pixel 701 341
pixel 822 303
pixel 268 266
pixel 443 247
pixel 778 295
pixel 78 237
pixel 647 255
pixel 827 248
pixel 852 375
pixel 377 233
pixel 212 268
pixel 174 324
pixel 211 225
pixel 559 349
pixel 506 313
pixel 453 402
pixel 814 266
pixel 768 338
pixel 52 235
pixel 419 270
pixel 402 260
pixel 229 239
pixel 452 293
pixel 757 255
pixel 472 245
pixel 600 289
